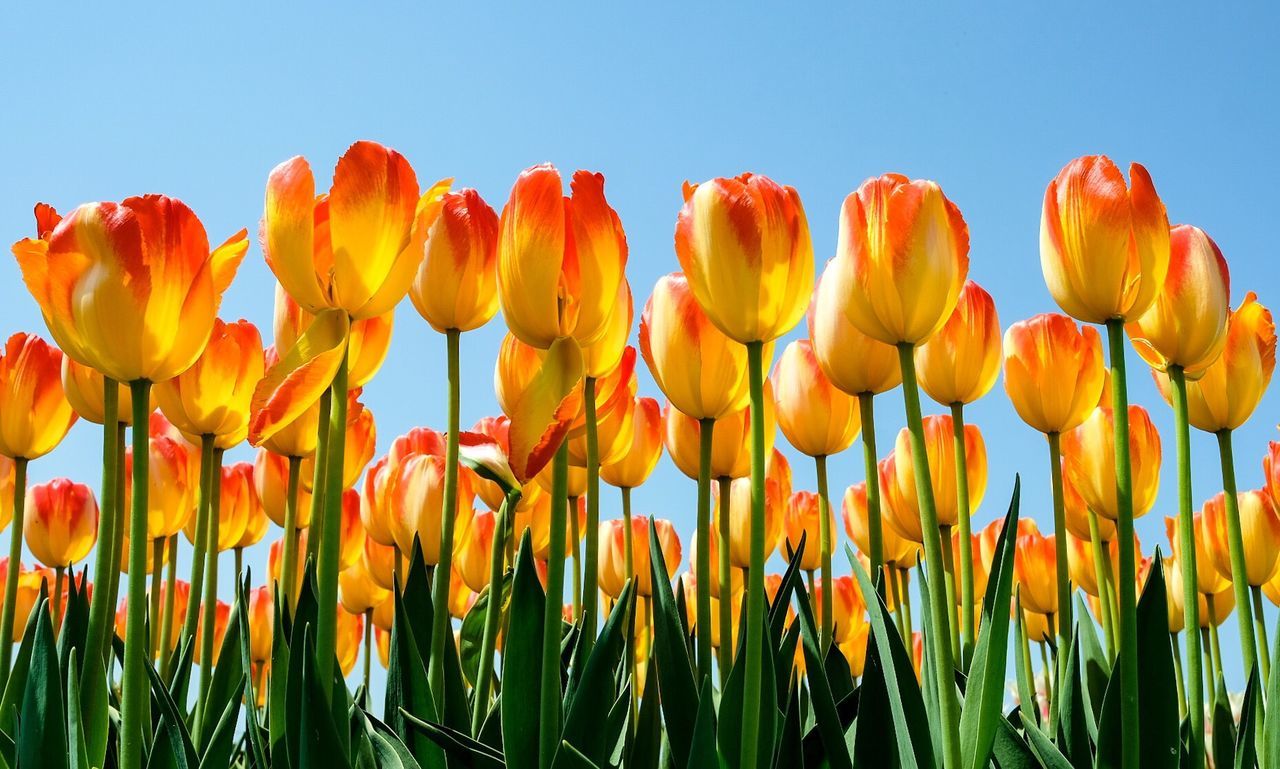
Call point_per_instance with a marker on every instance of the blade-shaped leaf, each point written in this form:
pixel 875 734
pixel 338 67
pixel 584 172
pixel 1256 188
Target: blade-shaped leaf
pixel 42 733
pixel 824 706
pixel 522 671
pixel 594 693
pixel 671 655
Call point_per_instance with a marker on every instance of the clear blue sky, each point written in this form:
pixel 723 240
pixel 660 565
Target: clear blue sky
pixel 105 102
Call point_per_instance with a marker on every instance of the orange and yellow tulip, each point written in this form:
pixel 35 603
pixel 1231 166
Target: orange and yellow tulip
pixel 803 520
pixel 713 555
pixel 238 503
pixel 286 399
pixel 560 259
pixel 1260 530
pixel 171 486
pixel 1053 371
pixel 416 501
pixel 1270 471
pixel 816 417
pixel 85 391
pixel 271 482
pixel 1076 514
pixel 1209 579
pixel 261 623
pixel 62 522
pixel 497 430
pixel 368 339
pixel 1088 454
pixel 29 583
pixel 960 362
pixel 1035 563
pixel 380 563
pixel 456 286
pixel 908 252
pixel 641 456
pixel 475 549
pixel 6 491
pixel 357 589
pixel 212 397
pixel 777 492
pixel 537 520
pixel 613 553
pixel 602 356
pixel 853 361
pixel 903 511
pixel 1186 324
pixel 361 437
pixel 1104 246
pixel 744 245
pixel 221 615
pixel 898 550
pixel 848 609
pixel 36 414
pixel 542 395
pixel 730 449
pixel 131 288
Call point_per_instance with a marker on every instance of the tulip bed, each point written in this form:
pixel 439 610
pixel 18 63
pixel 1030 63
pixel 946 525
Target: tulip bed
pixel 451 556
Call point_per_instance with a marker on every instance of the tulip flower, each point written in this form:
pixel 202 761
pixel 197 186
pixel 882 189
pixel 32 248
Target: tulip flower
pixel 802 521
pixel 1053 371
pixel 221 615
pixel 358 591
pixel 899 552
pixel 27 592
pixel 85 389
pixel 740 529
pixel 212 397
pixel 940 448
pixel 1034 567
pixel 62 528
pixel 361 436
pixel 241 510
pixel 368 341
pixel 416 504
pixel 613 553
pixel 846 602
pixel 1260 527
pixel 639 459
pixel 1089 461
pixel 261 623
pixel 380 562
pixel 475 550
pixel 6 490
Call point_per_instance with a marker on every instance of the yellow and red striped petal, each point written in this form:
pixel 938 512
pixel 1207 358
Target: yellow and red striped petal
pixel 289 236
pixel 396 281
pixel 601 249
pixel 538 280
pixel 299 378
pixel 544 410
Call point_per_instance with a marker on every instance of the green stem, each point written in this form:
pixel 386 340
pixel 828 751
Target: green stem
pixel 289 561
pixel 549 708
pixel 191 621
pixel 135 687
pixel 1187 559
pixel 117 546
pixel 1260 624
pixel 1210 674
pixel 1026 678
pixel 967 597
pixel 629 557
pixel 575 559
pixel 102 602
pixel 157 592
pixel 706 431
pixel 440 624
pixel 940 630
pixel 629 561
pixel 949 569
pixel 1215 644
pixel 896 597
pixel 330 533
pixel 1113 603
pixel 170 603
pixel 905 592
pixel 492 615
pixel 320 466
pixel 209 607
pixel 368 648
pixel 58 574
pixel 1101 573
pixel 866 409
pixel 824 535
pixel 591 552
pixel 15 565
pixel 238 562
pixel 1178 673
pixel 755 596
pixel 1235 546
pixel 1129 717
pixel 1060 548
pixel 728 644
pixel 1048 673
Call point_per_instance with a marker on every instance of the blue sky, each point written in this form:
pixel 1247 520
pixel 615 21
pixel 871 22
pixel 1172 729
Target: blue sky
pixel 105 102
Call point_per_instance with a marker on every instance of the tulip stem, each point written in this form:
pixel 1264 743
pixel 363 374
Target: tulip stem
pixel 824 534
pixel 157 592
pixel 209 607
pixel 949 569
pixel 875 536
pixel 1260 624
pixel 629 562
pixel 895 598
pixel 1235 546
pixel 1129 717
pixel 1210 672
pixel 492 616
pixel 549 709
pixel 1187 557
pixel 330 534
pixel 575 556
pixel 170 604
pixel 102 602
pixel 368 648
pixel 15 565
pixel 1026 678
pixel 940 630
pixel 58 574
pixel 320 466
pixel 1102 573
pixel 967 597
pixel 905 592
pixel 117 546
pixel 1047 671
pixel 1215 644
pixel 440 625
pixel 702 578
pixel 1177 670
pixel 591 548
pixel 755 595
pixel 628 557
pixel 134 693
pixel 289 561
pixel 1060 555
pixel 728 644
pixel 191 622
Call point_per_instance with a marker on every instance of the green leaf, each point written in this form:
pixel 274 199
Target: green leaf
pixel 671 655
pixel 279 735
pixel 318 744
pixel 790 753
pixel 227 685
pixel 1049 756
pixel 407 687
pixel 95 717
pixel 594 693
pixel 457 708
pixel 1010 751
pixel 472 634
pixel 873 722
pixel 1110 744
pixel 522 677
pixel 1271 720
pixel 702 751
pixel 16 683
pixel 1095 669
pixel 984 694
pixel 458 745
pixel 222 741
pixel 389 752
pixel 932 700
pixel 824 706
pixel 77 752
pixel 908 722
pixel 647 747
pixel 1246 744
pixel 1157 688
pixel 1073 731
pixel 42 733
pixel 574 759
pixel 1028 704
pixel 258 751
pixel 1224 728
pixel 172 748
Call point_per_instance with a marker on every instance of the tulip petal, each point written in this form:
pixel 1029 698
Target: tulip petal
pixel 225 260
pixel 400 276
pixel 298 380
pixel 533 248
pixel 288 232
pixel 484 455
pixel 544 411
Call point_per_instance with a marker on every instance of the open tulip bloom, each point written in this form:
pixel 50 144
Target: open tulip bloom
pixel 528 618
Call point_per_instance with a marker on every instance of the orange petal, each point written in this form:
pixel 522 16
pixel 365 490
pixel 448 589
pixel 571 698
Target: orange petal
pixel 226 258
pixel 546 408
pixel 300 377
pixel 400 277
pixel 288 232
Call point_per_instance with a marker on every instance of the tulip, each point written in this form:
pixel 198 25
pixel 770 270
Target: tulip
pixel 740 529
pixel 221 614
pixel 716 588
pixel 361 436
pixel 275 564
pixel 730 449
pixel 475 550
pixel 538 521
pixel 236 497
pixel 358 591
pixel 1034 567
pixel 1053 371
pixel 416 504
pixel 170 488
pixel 613 554
pixel 1081 522
pixel 940 449
pixel 855 649
pixel 6 490
pixel 380 562
pixel 277 480
pixel 85 390
pixel 638 460
pixel 28 591
pixel 898 551
pixel 64 522
pixel 1260 526
pixel 212 397
pixel 802 521
pixel 1089 462
pixel 847 605
pixel 368 341
pixel 37 414
pixel 261 624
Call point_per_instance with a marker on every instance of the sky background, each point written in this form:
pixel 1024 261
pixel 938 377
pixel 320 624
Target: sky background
pixel 105 102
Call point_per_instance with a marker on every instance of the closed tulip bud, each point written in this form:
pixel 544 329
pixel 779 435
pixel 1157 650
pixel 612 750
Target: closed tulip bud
pixel 730 440
pixel 255 527
pixel 275 560
pixel 379 562
pixel 170 487
pixel 908 249
pixel 854 362
pixel 375 502
pixel 1053 371
pixel 675 330
pixel 1230 388
pixel 981 569
pixel 85 391
pixel 475 550
pixel 940 448
pixel 688 582
pixel 357 248
pixel 456 286
pixel 384 614
pixel 1259 529
pixel 357 590
pixel 815 417
pixel 37 415
pixel 1080 562
pixel 62 522
pixel 1089 459
pixel 1104 246
pixel 271 482
pixel 1209 579
pixel 959 363
pixel 1076 514
pixel 350 632
pixel 361 438
pixel 537 520
pixel 776 494
pixel 560 259
pixel 1035 563
pixel 804 520
pixel 713 556
pixel 130 289
pixel 351 538
pixel 221 615
pixel 236 504
pixel 854 648
pixel 1039 630
pixel 213 396
pixel 897 550
pixel 641 455
pixel 368 339
pixel 989 537
pixel 261 623
pixel 848 608
pixel 1186 324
